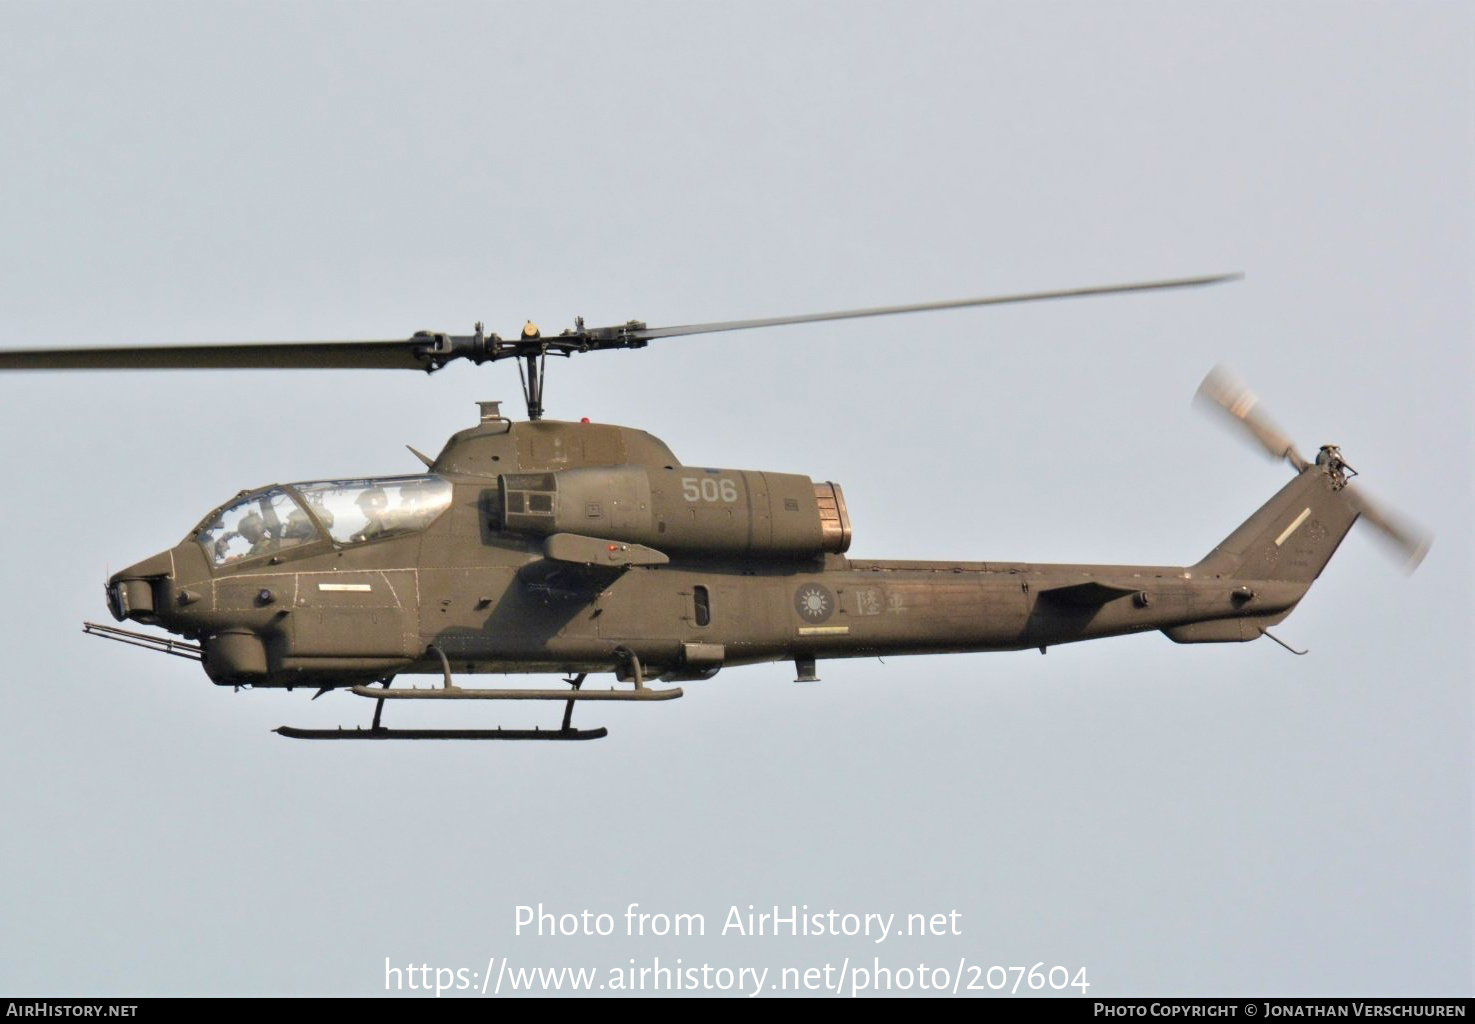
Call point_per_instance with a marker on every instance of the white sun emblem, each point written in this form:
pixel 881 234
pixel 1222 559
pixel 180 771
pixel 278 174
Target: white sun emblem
pixel 813 603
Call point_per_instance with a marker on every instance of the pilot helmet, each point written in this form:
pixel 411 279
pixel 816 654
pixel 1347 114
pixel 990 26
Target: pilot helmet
pixel 252 527
pixel 372 499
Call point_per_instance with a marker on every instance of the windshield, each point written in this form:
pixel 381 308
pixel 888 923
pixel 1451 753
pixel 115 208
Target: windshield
pixel 354 511
pixel 261 524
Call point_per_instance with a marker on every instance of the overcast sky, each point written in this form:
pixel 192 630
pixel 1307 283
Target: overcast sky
pixel 1175 820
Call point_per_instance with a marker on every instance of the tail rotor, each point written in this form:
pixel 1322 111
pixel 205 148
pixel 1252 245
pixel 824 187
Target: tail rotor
pixel 1226 393
pixel 1222 390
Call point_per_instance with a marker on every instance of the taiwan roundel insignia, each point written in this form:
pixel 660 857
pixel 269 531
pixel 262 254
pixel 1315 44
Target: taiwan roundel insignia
pixel 814 603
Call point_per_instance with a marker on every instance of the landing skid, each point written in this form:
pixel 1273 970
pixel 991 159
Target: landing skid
pixel 450 691
pixel 372 733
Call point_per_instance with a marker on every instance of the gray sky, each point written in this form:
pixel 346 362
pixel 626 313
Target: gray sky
pixel 1176 820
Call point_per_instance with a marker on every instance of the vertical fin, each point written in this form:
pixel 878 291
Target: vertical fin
pixel 1291 537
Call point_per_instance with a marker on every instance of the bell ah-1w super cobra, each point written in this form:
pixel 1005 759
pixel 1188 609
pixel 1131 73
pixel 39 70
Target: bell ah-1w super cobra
pixel 578 548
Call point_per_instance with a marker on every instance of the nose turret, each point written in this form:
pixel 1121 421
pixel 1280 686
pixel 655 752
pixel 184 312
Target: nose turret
pixel 141 590
pixel 162 590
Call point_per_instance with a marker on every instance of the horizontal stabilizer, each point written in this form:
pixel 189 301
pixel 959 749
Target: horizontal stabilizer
pixel 1087 594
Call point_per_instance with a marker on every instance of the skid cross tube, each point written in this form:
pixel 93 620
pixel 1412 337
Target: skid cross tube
pixel 568 709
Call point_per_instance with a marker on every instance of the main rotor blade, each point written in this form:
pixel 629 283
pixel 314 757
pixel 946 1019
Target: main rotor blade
pixel 1411 542
pixel 307 355
pixel 1226 392
pixel 922 307
pixel 427 351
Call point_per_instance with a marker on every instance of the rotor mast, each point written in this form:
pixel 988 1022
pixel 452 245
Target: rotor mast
pixel 532 382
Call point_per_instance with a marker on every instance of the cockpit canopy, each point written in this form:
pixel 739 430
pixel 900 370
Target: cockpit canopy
pixel 346 511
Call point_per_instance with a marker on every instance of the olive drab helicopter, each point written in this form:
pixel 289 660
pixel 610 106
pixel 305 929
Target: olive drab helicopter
pixel 538 546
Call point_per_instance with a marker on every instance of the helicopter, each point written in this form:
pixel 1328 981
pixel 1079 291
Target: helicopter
pixel 578 548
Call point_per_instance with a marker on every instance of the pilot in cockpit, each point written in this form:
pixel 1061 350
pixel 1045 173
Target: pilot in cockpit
pixel 252 528
pixel 374 505
pixel 299 526
pixel 419 500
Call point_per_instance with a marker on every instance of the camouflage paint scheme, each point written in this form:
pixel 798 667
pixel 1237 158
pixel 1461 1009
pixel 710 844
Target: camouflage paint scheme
pixel 764 557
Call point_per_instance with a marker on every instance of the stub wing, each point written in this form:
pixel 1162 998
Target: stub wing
pixel 574 563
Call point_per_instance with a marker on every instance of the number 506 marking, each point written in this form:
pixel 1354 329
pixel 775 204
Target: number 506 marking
pixel 708 488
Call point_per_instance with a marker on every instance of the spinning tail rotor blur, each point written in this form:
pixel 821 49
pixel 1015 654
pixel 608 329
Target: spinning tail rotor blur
pixel 1222 391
